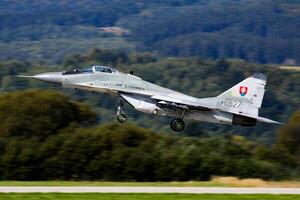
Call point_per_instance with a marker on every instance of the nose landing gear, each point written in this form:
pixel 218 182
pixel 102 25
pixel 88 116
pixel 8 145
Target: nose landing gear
pixel 120 116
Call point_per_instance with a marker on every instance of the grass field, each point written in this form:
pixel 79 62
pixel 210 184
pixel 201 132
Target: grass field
pixel 217 181
pixel 56 196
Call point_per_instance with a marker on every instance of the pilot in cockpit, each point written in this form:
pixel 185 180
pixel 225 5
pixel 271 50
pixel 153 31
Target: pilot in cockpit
pixel 93 69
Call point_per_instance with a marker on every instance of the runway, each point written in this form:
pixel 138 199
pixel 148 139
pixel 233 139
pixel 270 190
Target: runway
pixel 186 190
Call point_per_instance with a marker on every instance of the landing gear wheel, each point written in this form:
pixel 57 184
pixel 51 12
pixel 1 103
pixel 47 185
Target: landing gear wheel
pixel 121 118
pixel 177 125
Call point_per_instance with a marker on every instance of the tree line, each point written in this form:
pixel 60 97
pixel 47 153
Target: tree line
pixel 46 136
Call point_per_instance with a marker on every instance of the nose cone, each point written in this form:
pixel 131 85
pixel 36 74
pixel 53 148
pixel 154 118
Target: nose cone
pixel 51 77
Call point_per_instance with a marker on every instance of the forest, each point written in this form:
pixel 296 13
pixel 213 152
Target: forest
pixel 265 31
pixel 197 47
pixel 50 137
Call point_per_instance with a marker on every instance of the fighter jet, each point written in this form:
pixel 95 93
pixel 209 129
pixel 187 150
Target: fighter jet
pixel 238 105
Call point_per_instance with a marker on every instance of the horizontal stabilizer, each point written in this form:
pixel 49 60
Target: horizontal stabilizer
pixel 266 120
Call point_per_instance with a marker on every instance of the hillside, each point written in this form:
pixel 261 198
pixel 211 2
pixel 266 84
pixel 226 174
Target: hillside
pixel 265 31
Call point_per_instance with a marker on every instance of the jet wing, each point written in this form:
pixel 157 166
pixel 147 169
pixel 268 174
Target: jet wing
pixel 183 101
pixel 175 99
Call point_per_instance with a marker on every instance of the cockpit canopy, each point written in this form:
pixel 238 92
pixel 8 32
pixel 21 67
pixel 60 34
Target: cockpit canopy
pixel 93 69
pixel 98 68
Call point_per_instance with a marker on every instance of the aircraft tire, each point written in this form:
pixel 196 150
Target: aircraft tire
pixel 121 118
pixel 177 125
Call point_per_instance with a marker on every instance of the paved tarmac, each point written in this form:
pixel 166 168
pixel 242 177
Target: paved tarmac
pixel 187 190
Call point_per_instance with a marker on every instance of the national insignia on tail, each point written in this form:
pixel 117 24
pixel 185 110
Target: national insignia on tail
pixel 243 90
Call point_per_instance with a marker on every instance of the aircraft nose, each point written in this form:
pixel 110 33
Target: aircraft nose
pixel 51 77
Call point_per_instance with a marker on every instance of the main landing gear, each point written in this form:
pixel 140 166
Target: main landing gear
pixel 120 116
pixel 178 124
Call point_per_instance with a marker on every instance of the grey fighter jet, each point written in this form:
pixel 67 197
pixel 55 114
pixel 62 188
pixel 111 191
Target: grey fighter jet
pixel 239 105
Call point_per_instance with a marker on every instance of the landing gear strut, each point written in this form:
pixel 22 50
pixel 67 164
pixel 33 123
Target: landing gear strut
pixel 120 116
pixel 178 124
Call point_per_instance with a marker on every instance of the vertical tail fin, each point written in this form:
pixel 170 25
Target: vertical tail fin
pixel 245 98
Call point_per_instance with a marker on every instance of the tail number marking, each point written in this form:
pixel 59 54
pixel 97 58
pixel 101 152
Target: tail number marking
pixel 231 103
